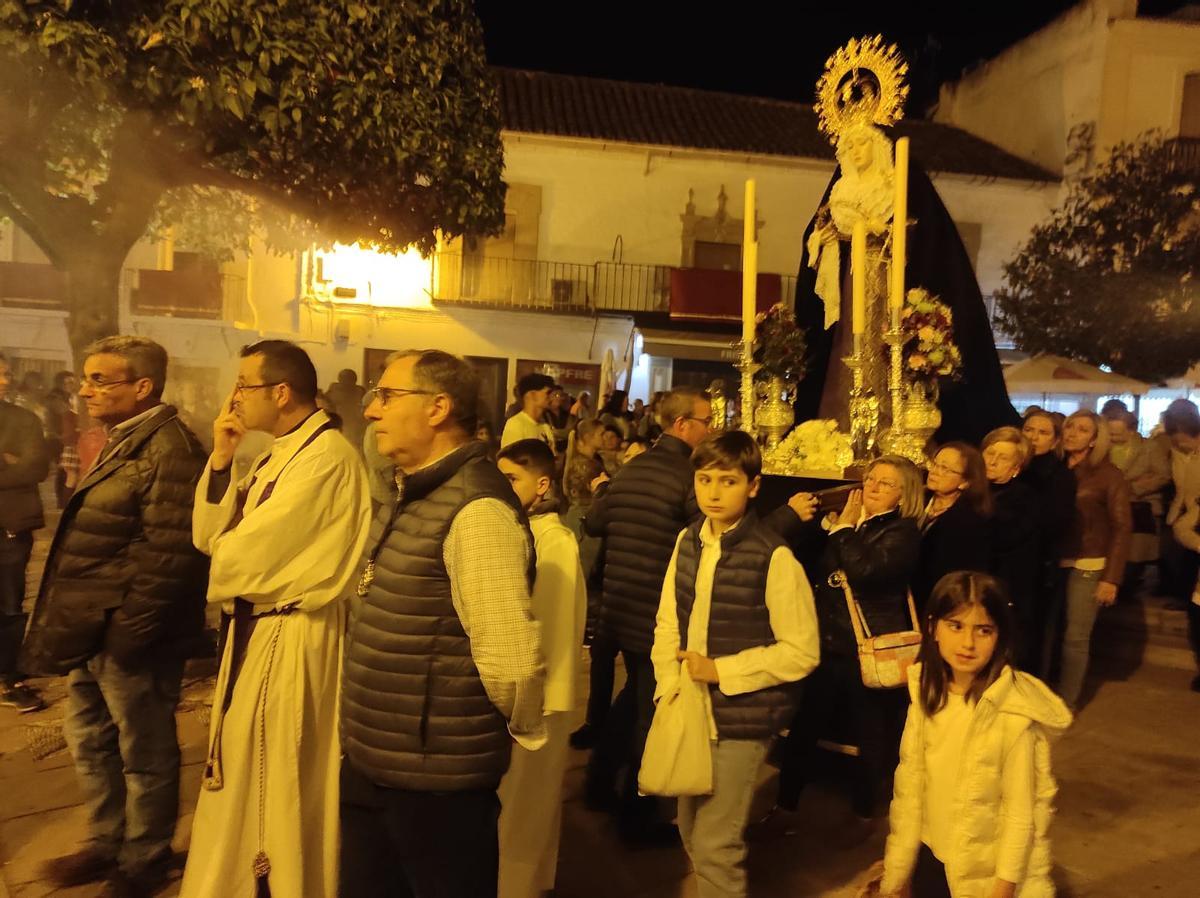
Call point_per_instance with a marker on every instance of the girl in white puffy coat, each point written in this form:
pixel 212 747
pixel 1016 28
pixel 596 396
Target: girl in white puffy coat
pixel 974 790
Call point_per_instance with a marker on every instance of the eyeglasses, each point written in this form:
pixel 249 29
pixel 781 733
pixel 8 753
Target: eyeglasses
pixel 704 421
pixel 886 484
pixel 245 388
pixel 945 469
pixel 100 385
pixel 385 394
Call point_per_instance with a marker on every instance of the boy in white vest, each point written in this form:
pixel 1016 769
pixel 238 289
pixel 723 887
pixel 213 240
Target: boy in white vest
pixel 737 611
pixel 531 791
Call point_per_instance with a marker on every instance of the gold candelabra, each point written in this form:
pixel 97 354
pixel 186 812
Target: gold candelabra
pixel 864 406
pixel 748 403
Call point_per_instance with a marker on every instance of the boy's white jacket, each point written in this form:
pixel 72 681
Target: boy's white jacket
pixel 558 603
pixel 1013 704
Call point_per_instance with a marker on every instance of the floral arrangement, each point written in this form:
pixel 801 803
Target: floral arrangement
pixel 779 346
pixel 815 445
pixel 928 328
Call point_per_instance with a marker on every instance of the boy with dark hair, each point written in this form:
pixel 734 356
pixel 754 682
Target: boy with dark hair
pixel 531 791
pixel 737 611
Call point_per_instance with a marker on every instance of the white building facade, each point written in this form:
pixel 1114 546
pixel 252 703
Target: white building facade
pixel 624 201
pixel 1097 75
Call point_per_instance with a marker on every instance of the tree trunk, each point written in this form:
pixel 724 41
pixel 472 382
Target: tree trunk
pixel 93 291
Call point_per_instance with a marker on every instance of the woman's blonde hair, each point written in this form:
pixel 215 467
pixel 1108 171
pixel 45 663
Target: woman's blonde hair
pixel 1099 451
pixel 1014 436
pixel 912 485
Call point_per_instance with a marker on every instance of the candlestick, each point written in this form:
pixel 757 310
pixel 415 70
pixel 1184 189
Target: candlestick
pixel 899 230
pixel 858 273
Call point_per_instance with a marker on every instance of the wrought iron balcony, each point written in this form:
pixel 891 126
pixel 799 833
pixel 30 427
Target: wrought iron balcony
pixel 1185 154
pixel 32 285
pixel 543 286
pixel 186 293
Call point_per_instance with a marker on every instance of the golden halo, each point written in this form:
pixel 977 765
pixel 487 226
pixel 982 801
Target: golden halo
pixel 863 82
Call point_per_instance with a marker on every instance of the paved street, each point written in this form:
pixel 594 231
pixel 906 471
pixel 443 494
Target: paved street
pixel 1129 802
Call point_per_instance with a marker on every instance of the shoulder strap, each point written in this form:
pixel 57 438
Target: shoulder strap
pixel 857 619
pixel 270 487
pixel 912 612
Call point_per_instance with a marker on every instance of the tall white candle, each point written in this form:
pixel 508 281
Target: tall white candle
pixel 749 267
pixel 899 230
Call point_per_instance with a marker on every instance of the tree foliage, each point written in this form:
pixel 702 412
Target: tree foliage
pixel 374 119
pixel 1111 278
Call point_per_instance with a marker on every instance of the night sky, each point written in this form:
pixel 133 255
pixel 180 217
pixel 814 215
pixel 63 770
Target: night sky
pixel 760 49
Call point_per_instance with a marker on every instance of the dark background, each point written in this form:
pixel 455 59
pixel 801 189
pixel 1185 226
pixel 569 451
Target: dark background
pixel 759 49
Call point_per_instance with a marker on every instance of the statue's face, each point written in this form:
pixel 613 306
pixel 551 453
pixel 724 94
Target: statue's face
pixel 862 149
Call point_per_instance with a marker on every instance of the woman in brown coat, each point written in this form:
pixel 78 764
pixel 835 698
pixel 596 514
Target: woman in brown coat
pixel 1097 545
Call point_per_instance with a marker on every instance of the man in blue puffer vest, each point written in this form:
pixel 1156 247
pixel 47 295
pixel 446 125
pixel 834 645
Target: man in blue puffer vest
pixel 443 666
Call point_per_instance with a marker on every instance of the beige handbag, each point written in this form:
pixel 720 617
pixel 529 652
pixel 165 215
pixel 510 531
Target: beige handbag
pixel 883 660
pixel 678 755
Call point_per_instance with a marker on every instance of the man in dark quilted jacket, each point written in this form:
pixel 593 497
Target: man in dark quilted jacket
pixel 121 605
pixel 640 515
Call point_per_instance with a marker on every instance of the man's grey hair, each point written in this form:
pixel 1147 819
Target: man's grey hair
pixel 679 403
pixel 142 356
pixel 450 375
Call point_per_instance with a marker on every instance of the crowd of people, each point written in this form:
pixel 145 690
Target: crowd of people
pixel 401 640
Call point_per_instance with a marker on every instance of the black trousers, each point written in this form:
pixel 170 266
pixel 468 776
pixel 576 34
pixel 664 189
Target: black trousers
pixel 601 675
pixel 929 876
pixel 875 718
pixel 402 844
pixel 624 737
pixel 15 551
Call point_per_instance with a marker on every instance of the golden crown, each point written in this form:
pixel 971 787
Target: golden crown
pixel 863 82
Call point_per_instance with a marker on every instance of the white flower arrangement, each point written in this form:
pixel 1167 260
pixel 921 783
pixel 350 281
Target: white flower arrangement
pixel 815 446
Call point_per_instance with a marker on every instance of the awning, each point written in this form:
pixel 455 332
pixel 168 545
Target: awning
pixel 1055 374
pixel 693 345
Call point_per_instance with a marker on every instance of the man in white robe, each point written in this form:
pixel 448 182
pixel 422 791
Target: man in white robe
pixel 284 544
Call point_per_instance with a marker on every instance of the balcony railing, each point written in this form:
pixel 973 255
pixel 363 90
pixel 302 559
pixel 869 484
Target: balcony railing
pixel 1185 154
pixel 188 293
pixel 32 285
pixel 534 285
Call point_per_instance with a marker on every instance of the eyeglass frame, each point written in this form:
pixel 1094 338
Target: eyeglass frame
pixel 384 394
pixel 103 386
pixel 945 469
pixel 890 484
pixel 242 388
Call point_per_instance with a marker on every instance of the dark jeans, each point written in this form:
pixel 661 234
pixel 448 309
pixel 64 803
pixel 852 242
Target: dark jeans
pixel 120 727
pixel 929 876
pixel 875 719
pixel 402 844
pixel 601 676
pixel 14 559
pixel 624 737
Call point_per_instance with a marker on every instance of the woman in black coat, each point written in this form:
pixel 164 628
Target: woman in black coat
pixel 1016 533
pixel 954 525
pixel 1054 485
pixel 874 542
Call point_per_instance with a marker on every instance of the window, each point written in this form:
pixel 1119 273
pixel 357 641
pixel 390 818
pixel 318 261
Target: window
pixel 717 256
pixel 1189 117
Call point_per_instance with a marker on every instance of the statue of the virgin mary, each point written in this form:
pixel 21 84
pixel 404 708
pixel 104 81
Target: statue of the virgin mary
pixel 860 97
